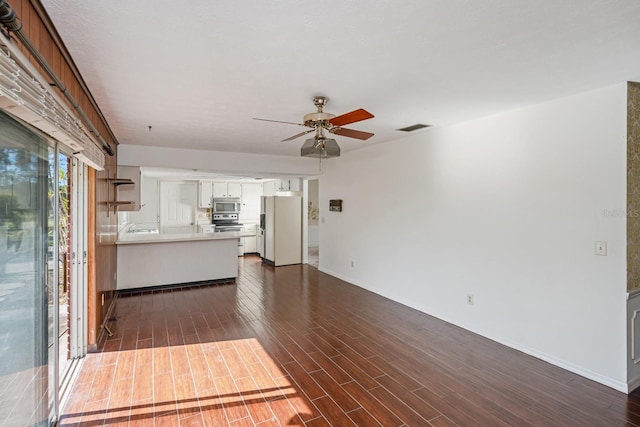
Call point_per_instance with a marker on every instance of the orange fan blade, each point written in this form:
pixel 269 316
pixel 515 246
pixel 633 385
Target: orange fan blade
pixel 357 134
pixel 352 117
pixel 298 135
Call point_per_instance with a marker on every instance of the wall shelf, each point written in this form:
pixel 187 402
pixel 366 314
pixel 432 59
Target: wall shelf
pixel 116 182
pixel 115 203
pixel 120 181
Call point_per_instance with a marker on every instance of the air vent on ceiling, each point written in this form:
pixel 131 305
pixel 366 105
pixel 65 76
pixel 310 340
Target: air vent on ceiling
pixel 414 127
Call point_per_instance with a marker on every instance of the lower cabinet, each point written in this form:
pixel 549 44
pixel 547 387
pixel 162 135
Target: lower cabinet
pixel 250 243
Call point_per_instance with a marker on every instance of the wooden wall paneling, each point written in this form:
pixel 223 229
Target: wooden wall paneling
pixel 67 76
pixel 34 33
pixel 107 137
pixel 64 77
pixel 75 89
pixel 92 306
pixel 101 251
pixel 56 61
pixel 46 46
pixel 17 7
pixel 86 107
pixel 26 23
pixel 106 233
pixel 102 226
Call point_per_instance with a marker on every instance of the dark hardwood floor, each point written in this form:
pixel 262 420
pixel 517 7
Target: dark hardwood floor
pixel 293 346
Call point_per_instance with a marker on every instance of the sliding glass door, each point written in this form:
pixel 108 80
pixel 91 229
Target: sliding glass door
pixel 59 272
pixel 42 273
pixel 24 281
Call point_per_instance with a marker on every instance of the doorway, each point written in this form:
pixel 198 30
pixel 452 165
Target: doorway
pixel 177 206
pixel 24 266
pixel 69 223
pixel 313 228
pixel 37 285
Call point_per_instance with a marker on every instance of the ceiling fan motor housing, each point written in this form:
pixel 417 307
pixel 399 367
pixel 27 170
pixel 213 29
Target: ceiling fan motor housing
pixel 314 119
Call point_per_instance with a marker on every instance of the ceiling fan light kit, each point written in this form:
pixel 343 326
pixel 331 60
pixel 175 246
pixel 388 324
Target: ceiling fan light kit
pixel 320 148
pixel 320 121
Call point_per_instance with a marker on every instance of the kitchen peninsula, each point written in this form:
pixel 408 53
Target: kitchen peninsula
pixel 146 260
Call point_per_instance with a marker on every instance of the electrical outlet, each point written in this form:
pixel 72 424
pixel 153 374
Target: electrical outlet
pixel 470 299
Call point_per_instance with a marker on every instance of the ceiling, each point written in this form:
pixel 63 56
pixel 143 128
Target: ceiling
pixel 198 174
pixel 197 72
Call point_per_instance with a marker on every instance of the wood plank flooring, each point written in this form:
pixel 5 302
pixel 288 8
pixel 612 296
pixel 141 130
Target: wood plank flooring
pixel 293 346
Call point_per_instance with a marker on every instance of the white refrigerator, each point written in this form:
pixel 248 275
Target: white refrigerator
pixel 282 229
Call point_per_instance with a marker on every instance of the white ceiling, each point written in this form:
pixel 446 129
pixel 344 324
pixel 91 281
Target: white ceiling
pixel 199 71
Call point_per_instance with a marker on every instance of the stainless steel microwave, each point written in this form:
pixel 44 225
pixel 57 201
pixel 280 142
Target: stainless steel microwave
pixel 226 205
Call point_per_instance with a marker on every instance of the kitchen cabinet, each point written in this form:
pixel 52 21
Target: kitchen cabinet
pixel 295 184
pixel 219 190
pixel 227 189
pixel 234 189
pixel 205 194
pixel 250 202
pixel 128 196
pixel 269 188
pixel 288 184
pixel 250 244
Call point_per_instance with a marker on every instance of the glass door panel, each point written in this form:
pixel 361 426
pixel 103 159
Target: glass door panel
pixel 64 263
pixel 51 279
pixel 24 398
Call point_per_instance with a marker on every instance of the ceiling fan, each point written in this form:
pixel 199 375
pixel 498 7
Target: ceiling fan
pixel 319 122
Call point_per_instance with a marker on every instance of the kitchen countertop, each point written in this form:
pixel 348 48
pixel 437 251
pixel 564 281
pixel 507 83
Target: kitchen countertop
pixel 137 238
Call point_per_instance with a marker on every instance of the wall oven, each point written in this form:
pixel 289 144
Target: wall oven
pixel 226 205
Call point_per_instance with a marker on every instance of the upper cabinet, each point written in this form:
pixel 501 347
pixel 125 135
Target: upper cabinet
pixel 269 188
pixel 234 189
pixel 288 184
pixel 128 196
pixel 295 184
pixel 205 194
pixel 227 189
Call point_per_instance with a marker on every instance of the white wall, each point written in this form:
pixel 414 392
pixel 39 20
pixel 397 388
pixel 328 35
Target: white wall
pixel 217 161
pixel 506 208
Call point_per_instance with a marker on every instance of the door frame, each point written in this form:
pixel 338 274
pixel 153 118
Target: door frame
pixel 79 272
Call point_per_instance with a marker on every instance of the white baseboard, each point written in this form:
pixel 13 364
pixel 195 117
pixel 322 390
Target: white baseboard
pixel 634 383
pixel 579 370
pixel 594 376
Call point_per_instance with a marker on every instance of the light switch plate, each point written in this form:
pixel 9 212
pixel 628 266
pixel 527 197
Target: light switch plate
pixel 601 248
